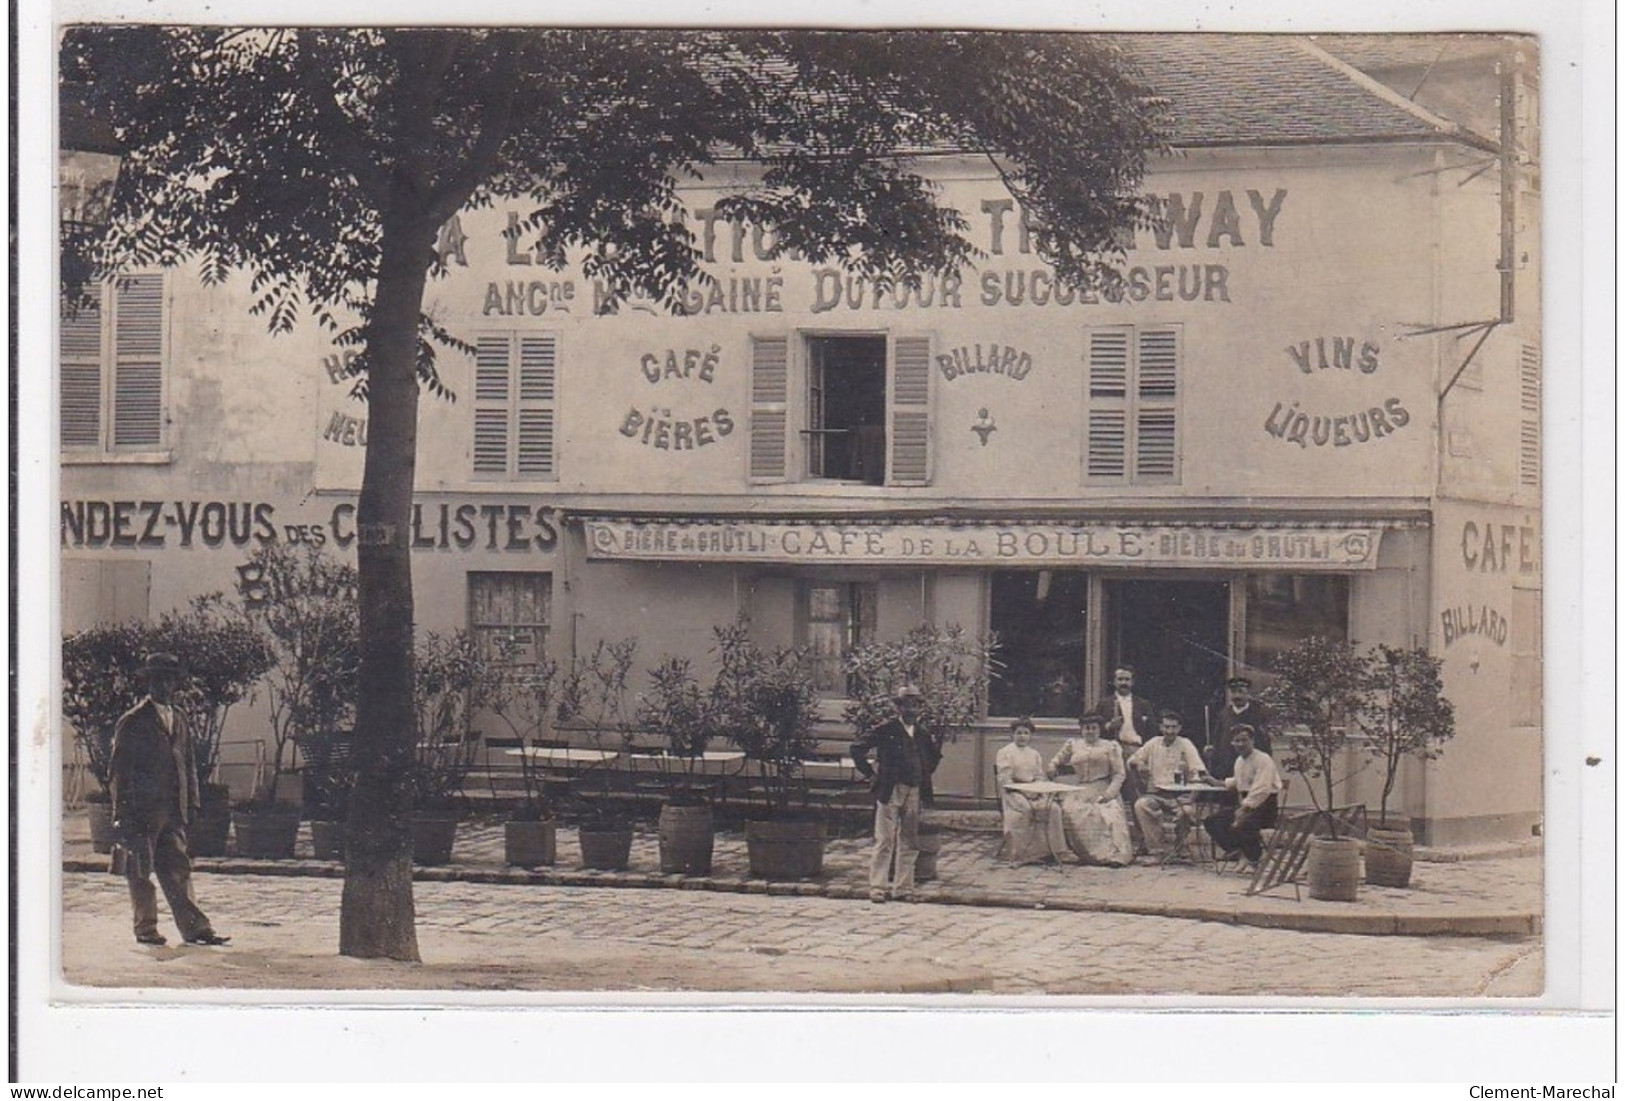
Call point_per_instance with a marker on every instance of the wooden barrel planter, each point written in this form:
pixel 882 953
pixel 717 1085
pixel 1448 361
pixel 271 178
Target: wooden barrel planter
pixel 266 835
pixel 1334 869
pixel 1389 854
pixel 208 833
pixel 925 864
pixel 327 840
pixel 530 844
pixel 606 848
pixel 686 835
pixel 432 838
pixel 101 826
pixel 785 850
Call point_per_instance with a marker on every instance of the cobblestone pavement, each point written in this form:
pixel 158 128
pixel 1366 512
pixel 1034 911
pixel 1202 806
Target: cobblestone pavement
pixel 1474 896
pixel 500 937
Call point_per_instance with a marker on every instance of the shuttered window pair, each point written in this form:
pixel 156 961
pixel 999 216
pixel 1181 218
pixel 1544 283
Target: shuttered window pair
pixel 516 406
pixel 776 420
pixel 1132 396
pixel 111 365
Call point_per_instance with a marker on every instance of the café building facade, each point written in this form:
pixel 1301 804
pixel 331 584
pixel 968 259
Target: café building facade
pixel 1275 430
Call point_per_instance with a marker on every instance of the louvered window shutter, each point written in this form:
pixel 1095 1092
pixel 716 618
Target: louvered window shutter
pixel 769 408
pixel 1106 377
pixel 1132 404
pixel 80 363
pixel 492 387
pixel 138 383
pixel 538 390
pixel 910 436
pixel 1156 437
pixel 1529 419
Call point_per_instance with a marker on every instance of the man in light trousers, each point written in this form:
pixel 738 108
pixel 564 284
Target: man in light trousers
pixel 906 754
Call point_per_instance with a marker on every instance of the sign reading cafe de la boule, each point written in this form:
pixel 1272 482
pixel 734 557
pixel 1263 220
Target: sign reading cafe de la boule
pixel 1300 548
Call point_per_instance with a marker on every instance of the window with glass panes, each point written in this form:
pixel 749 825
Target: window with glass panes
pixel 836 618
pixel 509 615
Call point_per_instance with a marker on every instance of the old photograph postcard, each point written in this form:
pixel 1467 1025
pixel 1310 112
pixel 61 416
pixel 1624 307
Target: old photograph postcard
pixel 840 516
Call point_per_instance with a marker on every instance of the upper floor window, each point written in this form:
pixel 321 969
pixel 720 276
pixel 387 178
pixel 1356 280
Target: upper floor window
pixel 1132 398
pixel 853 408
pixel 112 367
pixel 515 406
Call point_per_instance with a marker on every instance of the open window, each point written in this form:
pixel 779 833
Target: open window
pixel 841 407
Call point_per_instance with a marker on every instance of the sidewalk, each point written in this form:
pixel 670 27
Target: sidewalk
pixel 1494 891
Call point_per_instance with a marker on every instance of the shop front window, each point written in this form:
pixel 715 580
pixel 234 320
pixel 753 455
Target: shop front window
pixel 509 615
pixel 1285 608
pixel 1039 618
pixel 836 619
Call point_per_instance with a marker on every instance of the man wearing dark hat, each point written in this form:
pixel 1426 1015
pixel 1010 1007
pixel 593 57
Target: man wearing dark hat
pixel 155 796
pixel 1239 709
pixel 906 754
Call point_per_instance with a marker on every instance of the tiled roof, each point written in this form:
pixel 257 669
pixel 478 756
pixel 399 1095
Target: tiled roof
pixel 1272 90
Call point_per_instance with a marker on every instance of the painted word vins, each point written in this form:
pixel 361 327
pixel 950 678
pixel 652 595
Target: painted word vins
pixel 1482 621
pixel 1333 353
pixel 1341 430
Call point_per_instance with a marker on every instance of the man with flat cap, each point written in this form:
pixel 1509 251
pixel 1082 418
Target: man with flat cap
pixel 1239 709
pixel 906 754
pixel 155 797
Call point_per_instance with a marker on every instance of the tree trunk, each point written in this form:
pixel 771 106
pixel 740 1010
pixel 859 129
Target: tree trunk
pixel 377 917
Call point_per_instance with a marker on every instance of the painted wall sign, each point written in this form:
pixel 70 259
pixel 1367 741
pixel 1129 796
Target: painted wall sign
pixel 1497 548
pixel 657 367
pixel 1479 620
pixel 1011 362
pixel 1335 353
pixel 1293 425
pixel 160 525
pixel 1285 547
pixel 658 428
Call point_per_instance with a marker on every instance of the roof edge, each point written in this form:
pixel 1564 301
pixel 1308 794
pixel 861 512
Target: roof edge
pixel 1388 95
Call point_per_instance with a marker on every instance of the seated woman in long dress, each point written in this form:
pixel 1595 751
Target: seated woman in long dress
pixel 1092 817
pixel 1024 825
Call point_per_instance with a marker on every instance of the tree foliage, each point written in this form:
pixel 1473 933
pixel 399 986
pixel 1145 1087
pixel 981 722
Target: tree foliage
pixel 1327 691
pixel 306 604
pixel 948 664
pixel 766 703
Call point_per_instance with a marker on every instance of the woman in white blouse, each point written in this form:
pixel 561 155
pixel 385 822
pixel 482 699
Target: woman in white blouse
pixel 1024 825
pixel 1095 825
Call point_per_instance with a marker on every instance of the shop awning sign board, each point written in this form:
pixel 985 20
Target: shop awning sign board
pixel 1292 547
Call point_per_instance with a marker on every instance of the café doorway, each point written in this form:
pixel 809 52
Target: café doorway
pixel 1174 633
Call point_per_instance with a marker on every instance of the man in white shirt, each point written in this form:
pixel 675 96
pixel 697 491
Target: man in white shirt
pixel 1258 783
pixel 1165 761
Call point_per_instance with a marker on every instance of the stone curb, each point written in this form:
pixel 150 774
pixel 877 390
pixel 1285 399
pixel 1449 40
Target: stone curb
pixel 1356 924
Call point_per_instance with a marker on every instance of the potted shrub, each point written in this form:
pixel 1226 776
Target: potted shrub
pixel 766 704
pixel 950 666
pixel 305 601
pixel 329 776
pixel 99 683
pixel 1403 714
pixel 1318 690
pixel 592 694
pixel 225 656
pixel 678 711
pixel 450 684
pixel 522 697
